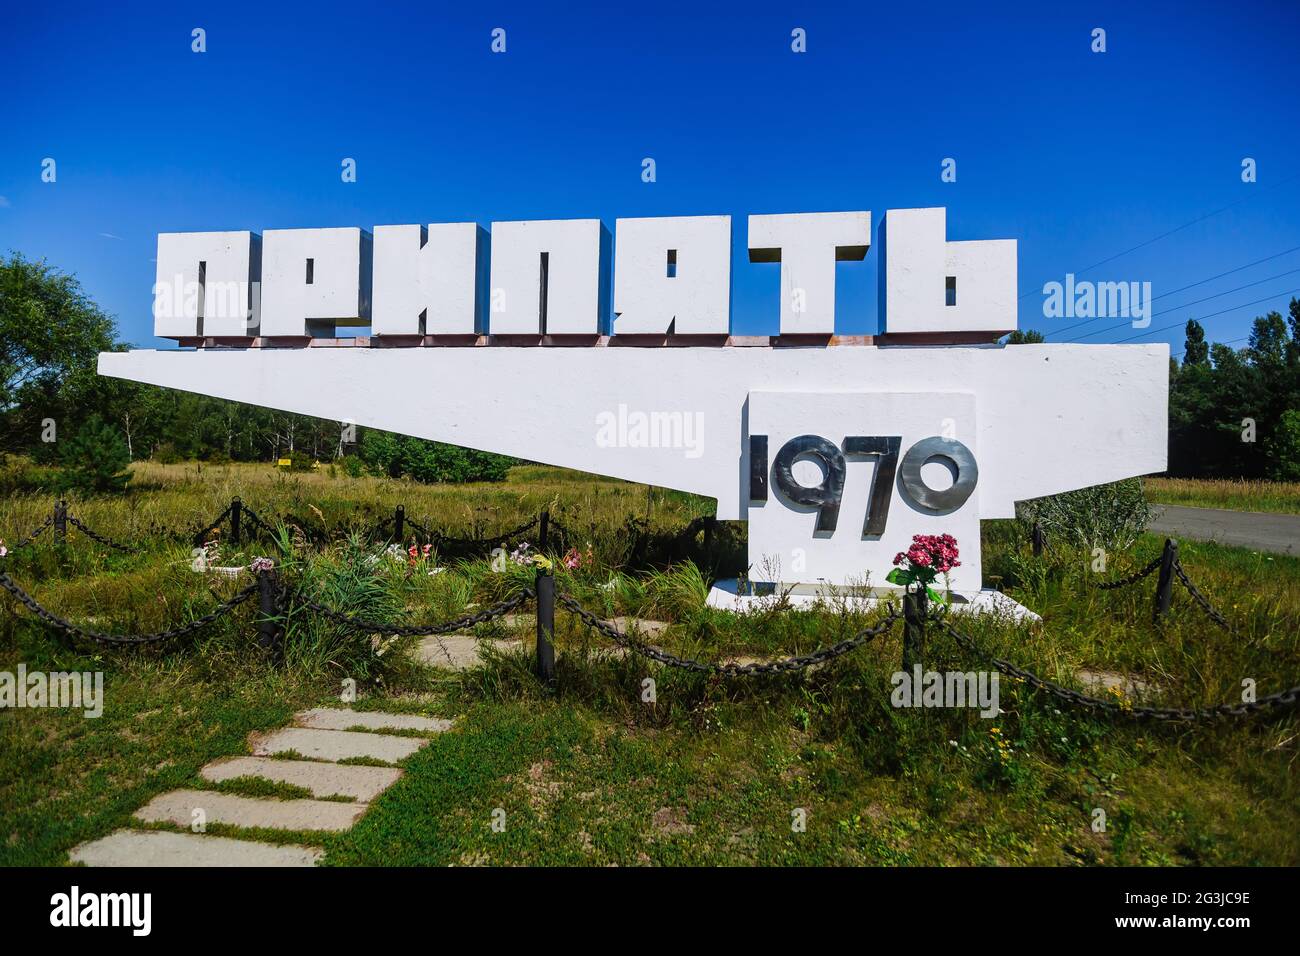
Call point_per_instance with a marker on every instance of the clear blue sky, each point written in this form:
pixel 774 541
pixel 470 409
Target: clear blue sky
pixel 1077 155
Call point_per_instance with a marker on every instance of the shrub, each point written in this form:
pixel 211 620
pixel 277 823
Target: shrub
pixel 1108 516
pixel 300 461
pixel 96 459
pixel 353 466
pixel 166 454
pixel 429 461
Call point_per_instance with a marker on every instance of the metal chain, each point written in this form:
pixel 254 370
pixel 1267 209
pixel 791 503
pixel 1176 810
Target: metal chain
pixel 1214 614
pixel 1132 578
pixel 442 539
pixel 24 542
pixel 212 525
pixel 72 630
pixel 784 665
pixel 102 539
pixel 404 630
pixel 257 520
pixel 1286 698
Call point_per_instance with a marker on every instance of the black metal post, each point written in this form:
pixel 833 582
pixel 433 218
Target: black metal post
pixel 1036 536
pixel 545 626
pixel 268 628
pixel 1165 584
pixel 710 525
pixel 236 510
pixel 914 611
pixel 544 531
pixel 61 521
pixel 399 523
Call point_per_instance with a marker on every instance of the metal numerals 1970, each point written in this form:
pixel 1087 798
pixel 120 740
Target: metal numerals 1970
pixel 829 492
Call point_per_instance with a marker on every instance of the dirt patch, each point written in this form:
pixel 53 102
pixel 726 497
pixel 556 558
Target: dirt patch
pixel 671 821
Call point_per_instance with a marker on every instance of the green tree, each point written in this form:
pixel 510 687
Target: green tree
pixel 1025 337
pixel 1284 450
pixel 1195 351
pixel 96 459
pixel 51 334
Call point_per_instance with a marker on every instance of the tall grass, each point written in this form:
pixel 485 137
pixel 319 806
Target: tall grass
pixel 1236 494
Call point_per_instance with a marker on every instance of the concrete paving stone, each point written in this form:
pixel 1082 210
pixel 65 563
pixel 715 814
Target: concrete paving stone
pixel 322 779
pixel 1098 682
pixel 456 651
pixel 157 848
pixel 641 626
pixel 334 745
pixel 179 807
pixel 338 718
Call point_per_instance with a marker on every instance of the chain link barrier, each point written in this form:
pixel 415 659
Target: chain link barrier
pixel 1211 611
pixel 1282 699
pixel 366 626
pixel 438 539
pixel 101 538
pixel 1133 578
pixel 782 666
pixel 200 537
pixel 72 630
pixel 36 533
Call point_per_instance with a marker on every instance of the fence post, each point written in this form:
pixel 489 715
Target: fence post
pixel 1036 536
pixel 236 509
pixel 61 521
pixel 1165 585
pixel 545 625
pixel 544 532
pixel 914 611
pixel 399 523
pixel 268 628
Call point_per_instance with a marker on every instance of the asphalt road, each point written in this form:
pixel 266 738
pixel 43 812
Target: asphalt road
pixel 1244 529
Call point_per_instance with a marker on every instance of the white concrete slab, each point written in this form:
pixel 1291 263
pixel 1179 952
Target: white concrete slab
pixel 185 807
pixel 724 596
pixel 334 745
pixel 321 779
pixel 456 651
pixel 338 718
pixel 156 848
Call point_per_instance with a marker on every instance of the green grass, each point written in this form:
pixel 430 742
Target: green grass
pixel 586 773
pixel 1280 497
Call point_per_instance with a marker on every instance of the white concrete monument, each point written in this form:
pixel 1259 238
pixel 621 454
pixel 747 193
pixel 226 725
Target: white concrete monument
pixel 835 451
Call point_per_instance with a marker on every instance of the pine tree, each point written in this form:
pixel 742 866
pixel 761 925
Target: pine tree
pixel 1195 351
pixel 96 459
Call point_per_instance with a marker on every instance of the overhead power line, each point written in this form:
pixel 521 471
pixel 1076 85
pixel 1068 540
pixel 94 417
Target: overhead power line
pixel 1165 235
pixel 1176 308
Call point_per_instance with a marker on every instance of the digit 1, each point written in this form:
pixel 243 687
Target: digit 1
pixel 885 448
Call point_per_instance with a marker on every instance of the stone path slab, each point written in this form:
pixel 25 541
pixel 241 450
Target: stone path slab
pixel 641 626
pixel 456 651
pixel 334 745
pixel 178 807
pixel 334 718
pixel 158 848
pixel 322 779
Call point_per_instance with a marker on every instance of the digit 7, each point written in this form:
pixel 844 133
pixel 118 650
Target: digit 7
pixel 884 447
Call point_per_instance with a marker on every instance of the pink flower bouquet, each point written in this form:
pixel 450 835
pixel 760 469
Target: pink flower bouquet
pixel 929 556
